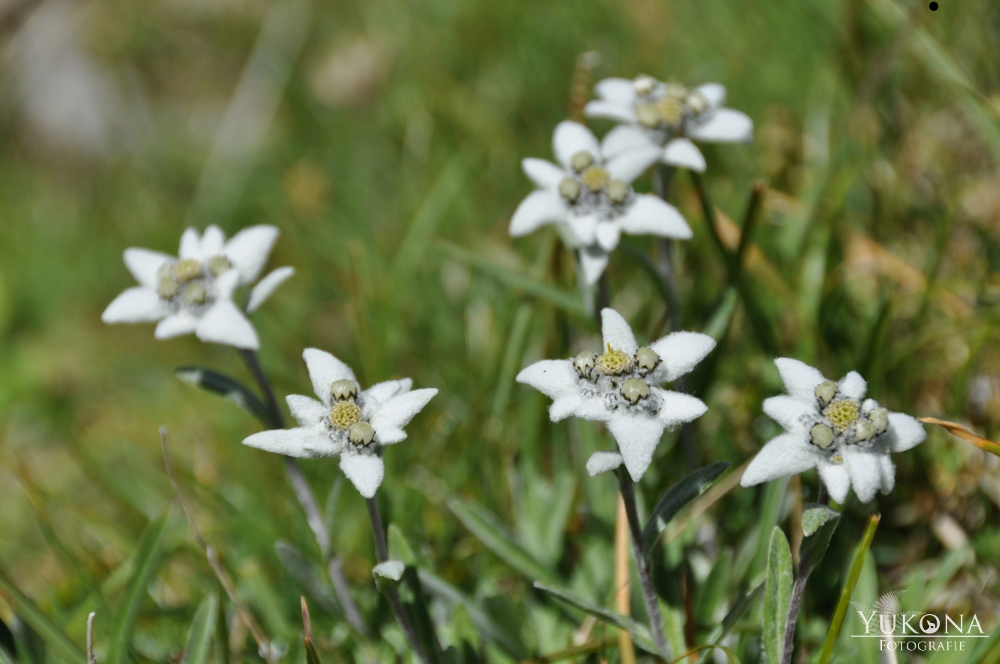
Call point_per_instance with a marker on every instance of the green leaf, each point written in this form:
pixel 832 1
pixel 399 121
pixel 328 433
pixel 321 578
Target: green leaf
pixel 147 558
pixel 312 657
pixel 640 634
pixel 712 592
pixel 32 616
pixel 819 522
pixel 399 548
pixel 490 530
pixel 8 647
pixel 199 638
pixel 676 498
pixel 228 388
pixel 306 578
pixel 487 626
pixel 415 604
pixel 777 595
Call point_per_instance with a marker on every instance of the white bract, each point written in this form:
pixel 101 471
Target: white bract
pixel 833 428
pixel 671 115
pixel 620 387
pixel 194 291
pixel 346 422
pixel 591 197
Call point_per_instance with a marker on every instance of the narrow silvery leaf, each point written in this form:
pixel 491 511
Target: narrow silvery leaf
pixel 199 638
pixel 307 578
pixel 228 388
pixel 676 498
pixel 777 595
pixel 819 522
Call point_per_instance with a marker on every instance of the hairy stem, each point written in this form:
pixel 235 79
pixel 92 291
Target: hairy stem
pixel 798 589
pixel 306 499
pixel 382 553
pixel 645 578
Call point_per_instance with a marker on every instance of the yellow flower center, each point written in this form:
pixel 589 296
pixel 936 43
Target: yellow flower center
pixel 595 178
pixel 219 265
pixel 614 362
pixel 842 413
pixel 344 414
pixel 187 269
pixel 671 110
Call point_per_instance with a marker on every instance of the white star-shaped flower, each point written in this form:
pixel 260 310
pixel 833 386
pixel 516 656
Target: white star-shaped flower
pixel 833 428
pixel 669 115
pixel 620 387
pixel 346 422
pixel 194 291
pixel 592 197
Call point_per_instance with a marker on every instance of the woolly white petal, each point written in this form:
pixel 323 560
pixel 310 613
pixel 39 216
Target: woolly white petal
pixel 787 454
pixel 625 138
pixel 543 173
pixel 248 250
pixel 553 378
pixel 607 235
pixel 212 241
pixel 226 284
pixel 224 323
pixel 863 468
pixel 144 264
pixel 620 90
pixel 176 325
pixel 266 286
pixel 190 245
pixel 324 369
pixel 715 93
pixel 389 436
pixel 602 462
pixel 800 379
pixel 365 471
pixel 397 412
pixel 835 479
pixel 678 408
pixel 307 412
pixel 888 472
pixel 905 432
pixel 853 386
pixel 680 352
pixel 584 228
pixel 577 405
pixel 572 137
pixel 593 260
pixel 685 154
pixel 390 569
pixel 790 412
pixel 616 331
pixel 319 446
pixel 379 393
pixel 608 110
pixel 724 126
pixel 289 442
pixel 541 207
pixel 631 164
pixel 650 215
pixel 135 305
pixel 637 438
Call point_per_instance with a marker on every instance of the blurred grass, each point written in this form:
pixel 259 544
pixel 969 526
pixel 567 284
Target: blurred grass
pixel 402 124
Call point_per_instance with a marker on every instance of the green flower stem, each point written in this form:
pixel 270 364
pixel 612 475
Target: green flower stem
pixel 382 553
pixel 307 500
pixel 645 578
pixel 798 590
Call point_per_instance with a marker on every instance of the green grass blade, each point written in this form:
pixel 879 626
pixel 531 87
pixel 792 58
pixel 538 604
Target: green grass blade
pixel 147 558
pixel 676 498
pixel 307 578
pixel 200 634
pixel 777 595
pixel 51 633
pixel 490 530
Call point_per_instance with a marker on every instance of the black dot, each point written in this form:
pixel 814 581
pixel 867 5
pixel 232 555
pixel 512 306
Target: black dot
pixel 934 6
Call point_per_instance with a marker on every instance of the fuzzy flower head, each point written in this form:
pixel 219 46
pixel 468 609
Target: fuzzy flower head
pixel 194 291
pixel 833 428
pixel 591 197
pixel 620 386
pixel 671 115
pixel 346 422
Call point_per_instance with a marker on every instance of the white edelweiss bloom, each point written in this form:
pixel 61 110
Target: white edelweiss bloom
pixel 194 291
pixel 671 115
pixel 346 422
pixel 592 197
pixel 833 428
pixel 620 387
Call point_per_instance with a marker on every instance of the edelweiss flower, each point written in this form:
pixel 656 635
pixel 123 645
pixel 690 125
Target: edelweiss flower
pixel 832 427
pixel 193 293
pixel 668 114
pixel 345 421
pixel 593 197
pixel 620 388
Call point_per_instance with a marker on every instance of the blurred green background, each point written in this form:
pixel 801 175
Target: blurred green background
pixel 369 131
